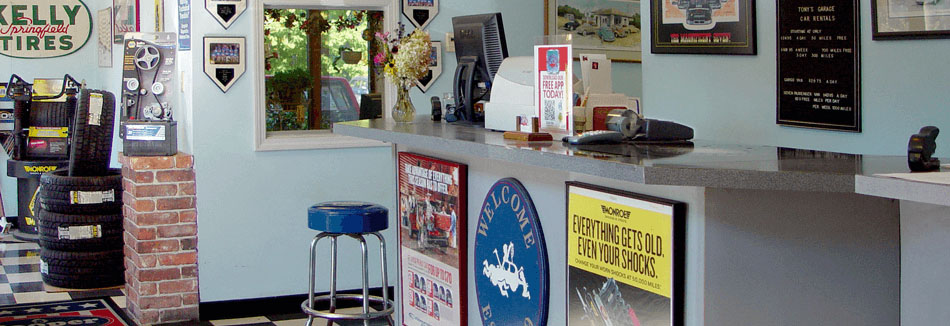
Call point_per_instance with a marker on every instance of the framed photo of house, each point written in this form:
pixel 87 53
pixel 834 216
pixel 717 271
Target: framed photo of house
pixel 611 27
pixel 703 26
pixel 909 19
pixel 125 19
pixel 432 240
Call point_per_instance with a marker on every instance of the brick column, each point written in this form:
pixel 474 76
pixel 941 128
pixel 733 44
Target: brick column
pixel 161 238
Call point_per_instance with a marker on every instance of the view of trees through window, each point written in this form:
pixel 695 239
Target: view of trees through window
pixel 326 50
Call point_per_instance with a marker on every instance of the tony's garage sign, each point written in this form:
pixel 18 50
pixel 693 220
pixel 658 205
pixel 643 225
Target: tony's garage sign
pixel 43 28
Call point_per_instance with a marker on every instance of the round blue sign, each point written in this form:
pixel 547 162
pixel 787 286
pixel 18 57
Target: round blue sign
pixel 511 261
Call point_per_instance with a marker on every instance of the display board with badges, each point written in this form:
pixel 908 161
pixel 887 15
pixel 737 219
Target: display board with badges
pixel 224 60
pixel 149 94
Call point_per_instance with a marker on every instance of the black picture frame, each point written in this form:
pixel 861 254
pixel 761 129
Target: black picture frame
pixel 818 65
pixel 886 24
pixel 678 269
pixel 731 30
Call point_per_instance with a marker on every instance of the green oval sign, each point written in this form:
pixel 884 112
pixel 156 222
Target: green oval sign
pixel 43 28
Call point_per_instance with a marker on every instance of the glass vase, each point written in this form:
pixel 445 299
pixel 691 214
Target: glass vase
pixel 403 111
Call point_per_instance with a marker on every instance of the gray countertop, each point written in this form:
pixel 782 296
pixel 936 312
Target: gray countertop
pixel 702 164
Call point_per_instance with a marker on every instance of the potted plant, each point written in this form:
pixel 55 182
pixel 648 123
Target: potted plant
pixel 289 87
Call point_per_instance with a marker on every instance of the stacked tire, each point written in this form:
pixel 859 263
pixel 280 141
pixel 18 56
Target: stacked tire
pixel 80 219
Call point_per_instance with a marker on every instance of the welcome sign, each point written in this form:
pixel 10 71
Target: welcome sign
pixel 43 28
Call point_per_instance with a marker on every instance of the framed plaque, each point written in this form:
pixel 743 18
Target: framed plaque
pixel 125 19
pixel 610 27
pixel 420 12
pixel 703 26
pixel 906 19
pixel 432 240
pixel 625 258
pixel 226 11
pixel 225 60
pixel 435 67
pixel 819 64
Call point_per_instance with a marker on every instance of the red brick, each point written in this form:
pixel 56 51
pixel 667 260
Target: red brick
pixel 184 161
pixel 189 243
pixel 155 191
pixel 188 216
pixel 169 204
pixel 189 271
pixel 127 197
pixel 175 175
pixel 148 317
pixel 141 261
pixel 159 274
pixel 176 259
pixel 189 299
pixel 168 301
pixel 180 314
pixel 128 186
pixel 157 246
pixel 139 233
pixel 143 205
pixel 187 188
pixel 129 239
pixel 131 295
pixel 123 160
pixel 158 218
pixel 182 286
pixel 152 163
pixel 180 230
pixel 148 289
pixel 143 177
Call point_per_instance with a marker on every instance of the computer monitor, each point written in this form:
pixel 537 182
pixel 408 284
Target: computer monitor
pixel 480 47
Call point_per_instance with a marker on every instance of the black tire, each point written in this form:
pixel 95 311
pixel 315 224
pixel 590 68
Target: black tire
pixel 51 114
pixel 84 281
pixel 85 259
pixel 50 237
pixel 97 270
pixel 92 137
pixel 57 190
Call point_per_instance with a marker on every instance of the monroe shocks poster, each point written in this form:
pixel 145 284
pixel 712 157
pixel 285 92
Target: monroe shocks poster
pixel 624 258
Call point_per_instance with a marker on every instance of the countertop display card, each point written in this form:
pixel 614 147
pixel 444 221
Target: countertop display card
pixel 625 258
pixel 432 246
pixel 819 65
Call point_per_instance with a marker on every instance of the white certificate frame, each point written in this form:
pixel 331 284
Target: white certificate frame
pixel 214 68
pixel 428 8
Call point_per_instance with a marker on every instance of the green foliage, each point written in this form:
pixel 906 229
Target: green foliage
pixel 635 21
pixel 288 43
pixel 334 41
pixel 565 9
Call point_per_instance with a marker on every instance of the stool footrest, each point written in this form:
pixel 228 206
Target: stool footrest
pixel 305 307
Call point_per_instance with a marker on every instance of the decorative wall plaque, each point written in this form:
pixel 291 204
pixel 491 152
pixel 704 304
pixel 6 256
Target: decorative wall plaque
pixel 703 26
pixel 510 260
pixel 435 68
pixel 420 12
pixel 48 29
pixel 225 60
pixel 226 11
pixel 819 64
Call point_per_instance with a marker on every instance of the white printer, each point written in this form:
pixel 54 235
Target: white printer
pixel 512 95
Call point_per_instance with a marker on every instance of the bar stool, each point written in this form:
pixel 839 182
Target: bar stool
pixel 354 220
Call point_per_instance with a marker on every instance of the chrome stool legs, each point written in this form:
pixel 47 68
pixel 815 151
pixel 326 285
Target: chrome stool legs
pixel 309 306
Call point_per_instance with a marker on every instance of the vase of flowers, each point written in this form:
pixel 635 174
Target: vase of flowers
pixel 404 58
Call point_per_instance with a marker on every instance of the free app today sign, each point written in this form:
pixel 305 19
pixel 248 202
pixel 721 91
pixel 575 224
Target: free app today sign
pixel 43 28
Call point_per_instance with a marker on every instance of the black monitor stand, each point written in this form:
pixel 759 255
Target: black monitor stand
pixel 464 87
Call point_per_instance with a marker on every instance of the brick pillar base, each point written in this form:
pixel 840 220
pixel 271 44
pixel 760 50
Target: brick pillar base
pixel 161 238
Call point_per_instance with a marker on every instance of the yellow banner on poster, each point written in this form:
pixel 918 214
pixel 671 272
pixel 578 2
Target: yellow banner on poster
pixel 622 238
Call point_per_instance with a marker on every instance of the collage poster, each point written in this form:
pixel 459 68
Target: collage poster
pixel 704 26
pixel 620 259
pixel 432 219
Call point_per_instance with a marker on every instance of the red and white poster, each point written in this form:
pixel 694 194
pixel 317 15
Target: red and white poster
pixel 432 219
pixel 554 91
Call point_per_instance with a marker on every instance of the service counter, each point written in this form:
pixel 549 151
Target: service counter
pixel 774 236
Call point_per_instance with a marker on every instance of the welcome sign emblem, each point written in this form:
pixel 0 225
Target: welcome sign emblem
pixel 511 262
pixel 43 28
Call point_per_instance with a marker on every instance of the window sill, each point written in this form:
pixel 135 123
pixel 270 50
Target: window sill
pixel 311 139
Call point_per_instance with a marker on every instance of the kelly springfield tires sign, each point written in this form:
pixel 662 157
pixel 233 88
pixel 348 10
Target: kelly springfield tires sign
pixel 43 28
pixel 625 255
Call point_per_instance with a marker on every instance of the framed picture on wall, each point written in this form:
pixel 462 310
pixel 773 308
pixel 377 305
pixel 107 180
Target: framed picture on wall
pixel 433 203
pixel 625 257
pixel 703 26
pixel 420 12
pixel 435 67
pixel 125 18
pixel 611 27
pixel 910 19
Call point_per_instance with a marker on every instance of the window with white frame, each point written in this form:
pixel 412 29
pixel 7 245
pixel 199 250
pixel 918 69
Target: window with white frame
pixel 315 69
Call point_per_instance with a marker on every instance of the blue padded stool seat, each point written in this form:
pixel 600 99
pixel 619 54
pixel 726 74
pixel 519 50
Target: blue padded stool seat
pixel 348 217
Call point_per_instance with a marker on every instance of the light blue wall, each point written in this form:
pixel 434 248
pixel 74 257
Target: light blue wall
pixel 524 23
pixel 732 98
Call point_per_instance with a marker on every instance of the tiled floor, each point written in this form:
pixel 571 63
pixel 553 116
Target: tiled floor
pixel 20 282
